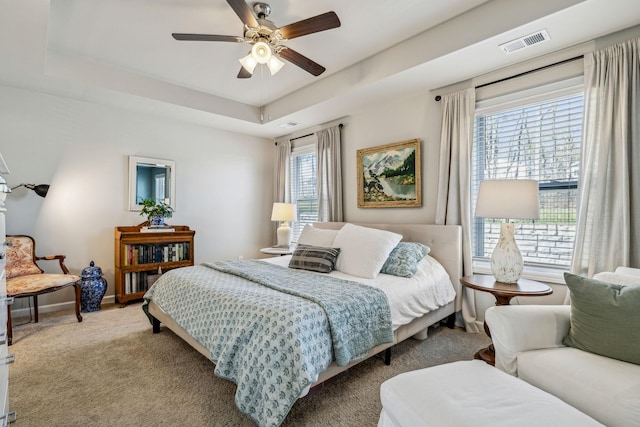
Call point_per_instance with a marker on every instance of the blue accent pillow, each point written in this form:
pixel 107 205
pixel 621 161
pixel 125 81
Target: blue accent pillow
pixel 404 258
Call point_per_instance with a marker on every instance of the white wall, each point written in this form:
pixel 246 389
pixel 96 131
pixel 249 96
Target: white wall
pixel 400 120
pixel 224 180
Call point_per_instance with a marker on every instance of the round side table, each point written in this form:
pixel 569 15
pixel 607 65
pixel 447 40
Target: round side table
pixel 276 251
pixel 503 292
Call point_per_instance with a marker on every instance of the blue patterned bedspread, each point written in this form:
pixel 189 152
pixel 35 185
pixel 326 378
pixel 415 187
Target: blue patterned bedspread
pixel 270 329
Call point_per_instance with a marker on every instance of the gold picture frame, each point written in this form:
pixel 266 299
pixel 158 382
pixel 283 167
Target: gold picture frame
pixel 389 176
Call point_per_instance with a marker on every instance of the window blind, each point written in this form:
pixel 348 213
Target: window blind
pixel 304 191
pixel 541 141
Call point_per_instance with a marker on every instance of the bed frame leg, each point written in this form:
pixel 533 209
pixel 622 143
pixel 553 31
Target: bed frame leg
pixel 387 356
pixel 451 321
pixel 156 325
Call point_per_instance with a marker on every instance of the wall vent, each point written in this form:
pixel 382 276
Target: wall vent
pixel 524 42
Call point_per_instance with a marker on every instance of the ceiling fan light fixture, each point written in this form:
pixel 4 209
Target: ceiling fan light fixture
pixel 274 64
pixel 261 52
pixel 265 38
pixel 249 63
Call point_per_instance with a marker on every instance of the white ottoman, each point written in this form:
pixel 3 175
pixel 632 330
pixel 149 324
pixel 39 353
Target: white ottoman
pixel 471 393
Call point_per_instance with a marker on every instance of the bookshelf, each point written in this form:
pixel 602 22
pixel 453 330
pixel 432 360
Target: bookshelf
pixel 139 255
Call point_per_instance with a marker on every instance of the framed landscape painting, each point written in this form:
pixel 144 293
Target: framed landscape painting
pixel 389 175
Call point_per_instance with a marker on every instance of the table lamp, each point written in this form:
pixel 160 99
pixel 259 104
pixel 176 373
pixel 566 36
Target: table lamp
pixel 505 198
pixel 284 212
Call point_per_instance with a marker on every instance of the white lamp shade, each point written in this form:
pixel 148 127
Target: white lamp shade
pixel 261 52
pixel 249 63
pixel 274 64
pixel 284 212
pixel 508 198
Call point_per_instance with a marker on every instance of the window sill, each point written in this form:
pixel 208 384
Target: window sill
pixel 541 274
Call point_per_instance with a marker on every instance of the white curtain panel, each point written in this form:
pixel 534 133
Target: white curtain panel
pixel 608 221
pixel 282 168
pixel 329 174
pixel 282 175
pixel 454 184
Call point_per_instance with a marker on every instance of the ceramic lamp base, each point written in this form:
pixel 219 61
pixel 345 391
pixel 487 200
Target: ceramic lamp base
pixel 284 235
pixel 506 260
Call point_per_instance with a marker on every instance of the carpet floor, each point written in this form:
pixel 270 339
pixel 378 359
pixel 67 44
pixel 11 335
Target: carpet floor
pixel 111 370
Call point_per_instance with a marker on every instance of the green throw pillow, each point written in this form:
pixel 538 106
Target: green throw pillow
pixel 605 318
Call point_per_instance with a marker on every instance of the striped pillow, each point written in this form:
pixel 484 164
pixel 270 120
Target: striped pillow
pixel 314 258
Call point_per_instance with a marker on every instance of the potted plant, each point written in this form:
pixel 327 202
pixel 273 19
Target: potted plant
pixel 155 212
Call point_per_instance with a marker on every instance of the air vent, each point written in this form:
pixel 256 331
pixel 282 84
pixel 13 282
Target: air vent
pixel 289 125
pixel 524 42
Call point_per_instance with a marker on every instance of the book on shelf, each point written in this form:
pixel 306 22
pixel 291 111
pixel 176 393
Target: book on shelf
pixel 141 281
pixel 141 253
pixel 157 229
pixel 151 278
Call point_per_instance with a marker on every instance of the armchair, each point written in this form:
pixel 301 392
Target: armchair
pixel 529 341
pixel 26 279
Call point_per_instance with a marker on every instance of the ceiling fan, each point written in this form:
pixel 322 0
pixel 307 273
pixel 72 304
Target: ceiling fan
pixel 266 38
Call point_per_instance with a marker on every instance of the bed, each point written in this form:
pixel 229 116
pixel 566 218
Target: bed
pixel 269 383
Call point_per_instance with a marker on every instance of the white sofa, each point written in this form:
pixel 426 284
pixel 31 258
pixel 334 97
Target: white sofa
pixel 528 344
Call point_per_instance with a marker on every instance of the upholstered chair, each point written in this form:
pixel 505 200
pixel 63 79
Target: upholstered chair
pixel 26 279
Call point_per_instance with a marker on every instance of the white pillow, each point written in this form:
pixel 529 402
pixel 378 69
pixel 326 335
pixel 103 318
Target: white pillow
pixel 363 250
pixel 317 236
pixel 617 278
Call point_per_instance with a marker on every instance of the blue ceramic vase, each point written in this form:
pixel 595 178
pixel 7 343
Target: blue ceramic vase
pixel 93 288
pixel 156 220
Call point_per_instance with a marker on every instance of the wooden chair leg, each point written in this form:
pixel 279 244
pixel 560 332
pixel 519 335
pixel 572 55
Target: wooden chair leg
pixel 9 329
pixel 78 289
pixel 35 307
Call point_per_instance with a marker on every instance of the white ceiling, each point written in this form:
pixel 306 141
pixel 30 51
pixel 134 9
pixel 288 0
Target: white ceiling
pixel 120 52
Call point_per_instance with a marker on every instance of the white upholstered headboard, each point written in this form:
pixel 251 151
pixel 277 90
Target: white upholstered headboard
pixel 445 242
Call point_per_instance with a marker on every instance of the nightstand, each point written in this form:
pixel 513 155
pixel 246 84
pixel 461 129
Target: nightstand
pixel 276 251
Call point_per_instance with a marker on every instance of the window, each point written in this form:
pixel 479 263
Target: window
pixel 160 187
pixel 304 192
pixel 541 141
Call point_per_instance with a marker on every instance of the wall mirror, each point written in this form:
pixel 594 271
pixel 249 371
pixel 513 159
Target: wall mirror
pixel 151 178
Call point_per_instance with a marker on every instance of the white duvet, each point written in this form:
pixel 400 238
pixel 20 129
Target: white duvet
pixel 428 289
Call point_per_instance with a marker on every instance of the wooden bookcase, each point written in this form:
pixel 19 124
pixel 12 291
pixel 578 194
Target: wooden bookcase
pixel 138 255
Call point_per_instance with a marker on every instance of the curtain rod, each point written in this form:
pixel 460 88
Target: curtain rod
pixel 575 58
pixel 340 125
pixel 300 137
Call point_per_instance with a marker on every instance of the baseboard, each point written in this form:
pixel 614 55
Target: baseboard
pixel 48 308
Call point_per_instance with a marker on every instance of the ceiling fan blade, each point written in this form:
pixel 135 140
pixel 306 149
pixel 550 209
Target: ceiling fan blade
pixel 244 74
pixel 243 11
pixel 315 24
pixel 207 37
pixel 302 61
